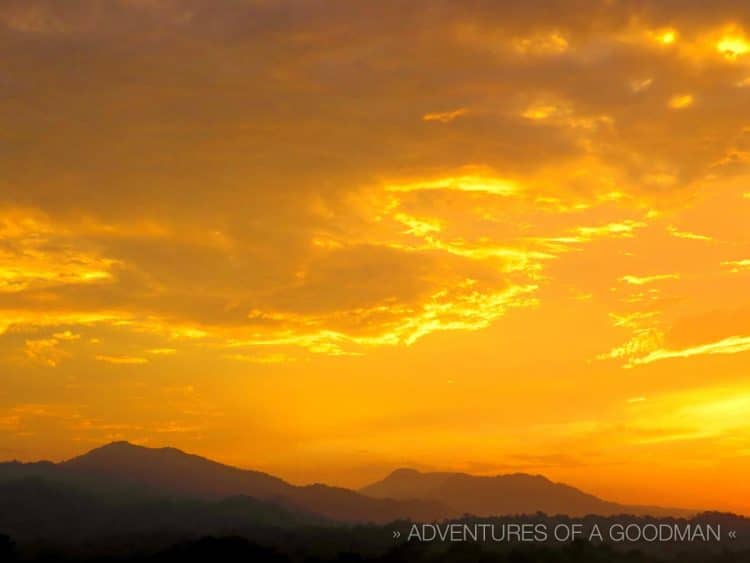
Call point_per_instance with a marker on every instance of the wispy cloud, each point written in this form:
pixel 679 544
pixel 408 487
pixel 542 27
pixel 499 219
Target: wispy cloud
pixel 737 265
pixel 134 360
pixel 445 116
pixel 643 280
pixel 687 235
pixel 730 345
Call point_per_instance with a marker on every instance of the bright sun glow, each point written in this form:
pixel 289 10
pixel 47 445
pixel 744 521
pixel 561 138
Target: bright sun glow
pixel 733 46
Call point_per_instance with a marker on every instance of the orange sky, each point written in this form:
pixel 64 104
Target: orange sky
pixel 328 239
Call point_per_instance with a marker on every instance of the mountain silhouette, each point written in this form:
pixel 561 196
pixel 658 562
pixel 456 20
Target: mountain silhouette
pixel 516 493
pixel 122 470
pixel 169 470
pixel 136 485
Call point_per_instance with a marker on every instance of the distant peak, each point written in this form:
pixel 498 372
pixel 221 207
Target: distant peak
pixel 125 445
pixel 118 444
pixel 404 472
pixel 121 450
pixel 522 475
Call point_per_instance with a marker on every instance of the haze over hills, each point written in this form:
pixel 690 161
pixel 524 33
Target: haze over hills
pixel 517 493
pixel 121 469
pixel 121 472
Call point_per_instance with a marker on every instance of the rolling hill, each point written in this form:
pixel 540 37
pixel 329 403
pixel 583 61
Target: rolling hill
pixel 517 493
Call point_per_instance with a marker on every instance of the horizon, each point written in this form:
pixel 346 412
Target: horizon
pixel 389 473
pixel 324 239
pixel 249 468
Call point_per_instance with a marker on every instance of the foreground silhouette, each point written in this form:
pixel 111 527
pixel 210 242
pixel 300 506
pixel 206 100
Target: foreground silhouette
pixel 235 549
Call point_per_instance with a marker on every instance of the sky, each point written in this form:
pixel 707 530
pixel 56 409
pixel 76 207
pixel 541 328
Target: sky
pixel 327 239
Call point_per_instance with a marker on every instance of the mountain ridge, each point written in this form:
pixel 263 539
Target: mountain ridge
pixel 511 493
pixel 126 469
pixel 123 469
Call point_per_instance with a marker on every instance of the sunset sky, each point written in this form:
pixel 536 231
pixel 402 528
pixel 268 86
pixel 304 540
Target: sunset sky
pixel 326 239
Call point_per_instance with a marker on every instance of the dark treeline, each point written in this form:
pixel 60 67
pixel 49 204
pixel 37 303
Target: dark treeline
pixel 239 549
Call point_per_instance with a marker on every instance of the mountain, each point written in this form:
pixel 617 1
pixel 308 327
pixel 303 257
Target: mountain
pixel 123 474
pixel 516 493
pixel 124 470
pixel 169 470
pixel 37 508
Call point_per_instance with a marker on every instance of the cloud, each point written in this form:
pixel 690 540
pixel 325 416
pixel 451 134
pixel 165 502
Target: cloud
pixel 66 335
pixel 45 351
pixel 730 345
pixel 34 255
pixel 261 358
pixel 162 351
pixel 445 116
pixel 681 101
pixel 623 229
pixel 467 183
pixel 126 360
pixel 687 235
pixel 737 265
pixel 291 180
pixel 643 280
